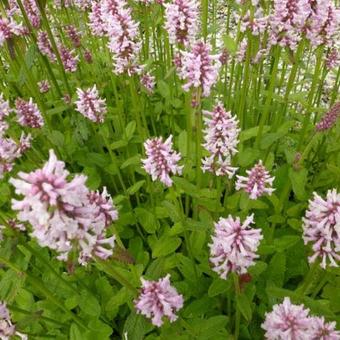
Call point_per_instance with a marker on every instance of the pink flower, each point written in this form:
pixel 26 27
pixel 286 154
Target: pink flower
pixel 44 86
pixel 7 329
pixel 32 12
pixel 65 216
pixel 88 56
pixel 324 330
pixel 124 42
pixel 329 119
pixel 287 321
pixel 332 59
pixel 234 245
pixel 45 47
pixel 221 139
pixel 320 227
pixel 182 18
pixel 28 113
pixel 5 109
pixel 148 81
pixel 257 183
pixel 287 22
pixel 8 29
pixel 90 105
pixel 74 35
pixel 96 21
pixel 159 299
pixel 68 59
pixel 256 24
pixel 161 160
pixel 199 68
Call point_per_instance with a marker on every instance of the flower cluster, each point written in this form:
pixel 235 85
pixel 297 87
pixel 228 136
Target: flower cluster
pixel 161 160
pixel 257 183
pixel 8 29
pixel 90 105
pixel 45 47
pixel 11 150
pixel 199 68
pixel 159 299
pixel 182 21
pixel 44 86
pixel 32 12
pixel 7 329
pixel 234 245
pixel 221 139
pixel 74 35
pixel 329 119
pixel 323 23
pixel 148 81
pixel 124 42
pixel 28 113
pixel 69 60
pixel 287 22
pixel 291 322
pixel 256 24
pixel 320 227
pixel 65 216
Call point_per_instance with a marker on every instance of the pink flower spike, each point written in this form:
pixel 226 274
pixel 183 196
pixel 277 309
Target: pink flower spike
pixel 90 105
pixel 161 160
pixel 159 299
pixel 182 18
pixel 288 321
pixel 44 86
pixel 45 47
pixel 28 113
pixel 323 330
pixel 257 183
pixel 199 68
pixel 5 109
pixel 148 81
pixel 234 245
pixel 329 119
pixel 221 139
pixel 69 60
pixel 320 227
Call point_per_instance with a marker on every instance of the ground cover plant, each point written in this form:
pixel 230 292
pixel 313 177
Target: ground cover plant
pixel 170 169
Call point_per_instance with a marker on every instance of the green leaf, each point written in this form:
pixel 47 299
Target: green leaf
pixel 163 89
pixel 219 286
pixel 299 181
pixel 135 326
pixel 285 242
pixel 89 304
pixel 75 333
pixel 186 186
pixel 130 129
pixel 165 246
pixel 134 188
pixel 276 269
pixel 243 304
pixel 230 44
pixel 134 160
pixel 147 220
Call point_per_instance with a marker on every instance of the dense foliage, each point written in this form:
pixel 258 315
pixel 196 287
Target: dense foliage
pixel 170 169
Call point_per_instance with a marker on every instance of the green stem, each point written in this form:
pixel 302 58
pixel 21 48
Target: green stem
pixel 238 314
pixel 308 279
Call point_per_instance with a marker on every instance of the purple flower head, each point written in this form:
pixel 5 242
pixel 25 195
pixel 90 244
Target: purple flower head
pixel 158 299
pixel 7 329
pixel 88 56
pixel 32 12
pixel 106 209
pixel 124 42
pixel 96 22
pixel 8 29
pixel 221 139
pixel 65 216
pixel 44 86
pixel 332 59
pixel 234 245
pixel 287 321
pixel 5 109
pixel 287 22
pixel 148 81
pixel 161 160
pixel 28 113
pixel 321 228
pixel 329 119
pixel 68 59
pixel 182 18
pixel 257 183
pixel 256 24
pixel 323 330
pixel 90 105
pixel 45 47
pixel 74 35
pixel 199 68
